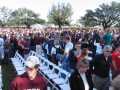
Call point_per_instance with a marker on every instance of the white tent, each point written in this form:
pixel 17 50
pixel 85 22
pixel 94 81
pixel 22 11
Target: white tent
pixel 38 26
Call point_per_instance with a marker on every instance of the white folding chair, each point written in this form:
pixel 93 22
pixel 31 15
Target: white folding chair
pixel 51 73
pixel 48 70
pixel 59 81
pixel 54 74
pixel 18 64
pixel 65 87
pixel 32 53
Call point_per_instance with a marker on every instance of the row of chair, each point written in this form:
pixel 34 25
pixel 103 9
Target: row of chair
pixel 54 73
pixel 18 62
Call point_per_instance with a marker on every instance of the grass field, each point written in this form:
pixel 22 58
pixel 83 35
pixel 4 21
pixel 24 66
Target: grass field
pixel 8 74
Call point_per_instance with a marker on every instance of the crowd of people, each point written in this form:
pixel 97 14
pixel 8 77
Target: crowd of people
pixel 92 56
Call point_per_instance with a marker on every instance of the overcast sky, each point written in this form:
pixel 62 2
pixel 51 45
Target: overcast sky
pixel 42 7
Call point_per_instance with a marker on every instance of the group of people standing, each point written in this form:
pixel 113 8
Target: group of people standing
pixel 92 57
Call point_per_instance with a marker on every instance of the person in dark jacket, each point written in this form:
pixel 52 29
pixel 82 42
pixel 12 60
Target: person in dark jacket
pixel 81 79
pixel 100 67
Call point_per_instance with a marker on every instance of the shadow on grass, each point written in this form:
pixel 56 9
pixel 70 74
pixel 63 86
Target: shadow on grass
pixel 8 74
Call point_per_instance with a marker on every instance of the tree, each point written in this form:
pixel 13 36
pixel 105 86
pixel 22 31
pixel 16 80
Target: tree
pixel 60 14
pixel 105 15
pixel 4 15
pixel 88 20
pixel 40 21
pixel 23 16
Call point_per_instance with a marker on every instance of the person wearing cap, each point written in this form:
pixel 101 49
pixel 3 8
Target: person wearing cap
pixel 100 67
pixel 81 79
pixel 30 80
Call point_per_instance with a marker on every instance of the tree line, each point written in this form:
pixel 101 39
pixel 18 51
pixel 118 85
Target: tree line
pixel 106 15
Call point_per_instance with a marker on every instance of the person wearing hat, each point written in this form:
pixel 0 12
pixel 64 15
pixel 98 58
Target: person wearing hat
pixel 30 80
pixel 81 79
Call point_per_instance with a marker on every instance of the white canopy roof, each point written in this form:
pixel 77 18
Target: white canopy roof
pixel 38 26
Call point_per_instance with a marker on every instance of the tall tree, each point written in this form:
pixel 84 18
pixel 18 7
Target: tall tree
pixel 105 15
pixel 60 14
pixel 23 16
pixel 88 20
pixel 5 14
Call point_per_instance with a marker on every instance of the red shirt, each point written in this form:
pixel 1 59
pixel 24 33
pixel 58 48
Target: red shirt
pixel 116 59
pixel 24 83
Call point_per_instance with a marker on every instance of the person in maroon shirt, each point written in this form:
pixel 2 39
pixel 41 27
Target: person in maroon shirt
pixel 30 80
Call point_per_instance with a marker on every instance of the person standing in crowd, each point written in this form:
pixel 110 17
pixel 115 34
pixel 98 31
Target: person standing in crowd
pixel 32 42
pixel 68 48
pixel 116 60
pixel 23 44
pixel 84 53
pixel 14 44
pixel 100 67
pixel 49 48
pixel 26 46
pixel 30 80
pixel 96 37
pixel 1 48
pixel 81 79
pixel 107 38
pixel 76 52
pixel 7 49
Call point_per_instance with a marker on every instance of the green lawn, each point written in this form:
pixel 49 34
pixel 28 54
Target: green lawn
pixel 8 74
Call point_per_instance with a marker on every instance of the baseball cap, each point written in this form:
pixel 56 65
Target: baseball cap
pixel 32 61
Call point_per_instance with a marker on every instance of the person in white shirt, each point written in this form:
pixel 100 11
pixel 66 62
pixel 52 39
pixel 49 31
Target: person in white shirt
pixel 68 48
